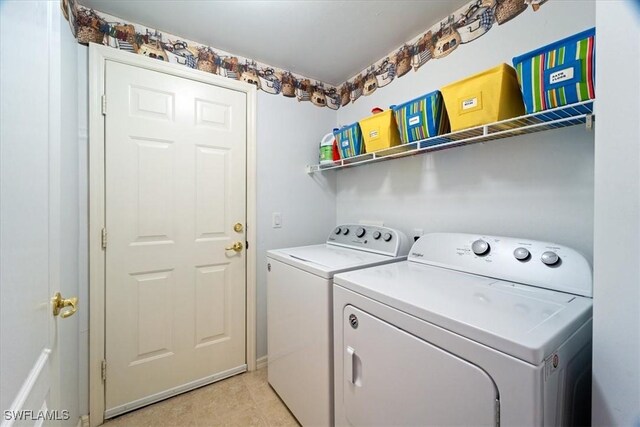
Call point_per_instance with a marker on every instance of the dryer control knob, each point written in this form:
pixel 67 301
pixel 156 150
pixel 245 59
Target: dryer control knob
pixel 550 258
pixel 360 232
pixel 480 247
pixel 376 235
pixel 387 237
pixel 521 254
pixel 338 230
pixel 345 231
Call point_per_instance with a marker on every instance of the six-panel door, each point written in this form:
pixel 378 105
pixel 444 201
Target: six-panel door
pixel 175 187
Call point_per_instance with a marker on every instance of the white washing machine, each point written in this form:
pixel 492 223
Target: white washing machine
pixel 470 330
pixel 299 310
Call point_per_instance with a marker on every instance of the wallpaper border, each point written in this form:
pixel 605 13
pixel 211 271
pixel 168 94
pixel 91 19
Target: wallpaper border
pixel 465 25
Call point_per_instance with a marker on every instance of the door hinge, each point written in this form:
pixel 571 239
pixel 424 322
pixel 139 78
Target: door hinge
pixel 104 238
pixel 497 412
pixel 104 370
pixel 104 105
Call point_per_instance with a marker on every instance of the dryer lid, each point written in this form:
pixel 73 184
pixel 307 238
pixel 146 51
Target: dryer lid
pixel 526 322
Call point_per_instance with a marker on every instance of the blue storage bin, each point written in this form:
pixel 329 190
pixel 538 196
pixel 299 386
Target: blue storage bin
pixel 349 140
pixel 558 74
pixel 421 118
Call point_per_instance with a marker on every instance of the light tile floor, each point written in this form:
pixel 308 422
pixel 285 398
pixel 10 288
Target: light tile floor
pixel 242 400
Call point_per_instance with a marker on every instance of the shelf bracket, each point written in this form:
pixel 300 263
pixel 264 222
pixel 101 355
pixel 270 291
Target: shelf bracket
pixel 309 169
pixel 589 121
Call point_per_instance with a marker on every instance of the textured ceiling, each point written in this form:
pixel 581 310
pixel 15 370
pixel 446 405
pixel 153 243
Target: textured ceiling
pixel 326 40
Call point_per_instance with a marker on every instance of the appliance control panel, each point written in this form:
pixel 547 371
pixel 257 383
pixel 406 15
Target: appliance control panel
pixel 370 238
pixel 531 262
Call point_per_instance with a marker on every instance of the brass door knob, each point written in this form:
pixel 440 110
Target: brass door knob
pixel 238 227
pixel 237 246
pixel 59 303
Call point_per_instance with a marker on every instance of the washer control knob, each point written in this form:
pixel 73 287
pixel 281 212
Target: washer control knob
pixel 480 247
pixel 345 231
pixel 360 232
pixel 521 254
pixel 386 237
pixel 550 258
pixel 338 230
pixel 376 235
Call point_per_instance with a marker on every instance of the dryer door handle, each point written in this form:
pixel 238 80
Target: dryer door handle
pixel 352 367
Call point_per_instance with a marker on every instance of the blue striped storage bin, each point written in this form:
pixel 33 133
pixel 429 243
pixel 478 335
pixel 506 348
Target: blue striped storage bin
pixel 349 140
pixel 558 74
pixel 421 118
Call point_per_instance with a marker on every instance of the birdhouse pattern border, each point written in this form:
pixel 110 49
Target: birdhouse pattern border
pixel 463 26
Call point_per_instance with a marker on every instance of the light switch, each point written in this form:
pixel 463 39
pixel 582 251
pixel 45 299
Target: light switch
pixel 276 220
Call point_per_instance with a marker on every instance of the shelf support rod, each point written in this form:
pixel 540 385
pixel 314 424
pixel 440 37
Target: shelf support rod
pixel 589 121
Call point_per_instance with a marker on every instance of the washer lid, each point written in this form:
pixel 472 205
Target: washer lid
pixel 524 321
pixel 326 260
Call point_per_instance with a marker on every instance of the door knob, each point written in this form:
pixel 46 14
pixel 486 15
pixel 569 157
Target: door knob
pixel 238 227
pixel 59 303
pixel 237 246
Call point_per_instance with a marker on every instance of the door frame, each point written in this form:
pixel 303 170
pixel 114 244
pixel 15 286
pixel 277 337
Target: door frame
pixel 98 55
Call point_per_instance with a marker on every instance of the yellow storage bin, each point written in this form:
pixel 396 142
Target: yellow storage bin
pixel 380 131
pixel 483 98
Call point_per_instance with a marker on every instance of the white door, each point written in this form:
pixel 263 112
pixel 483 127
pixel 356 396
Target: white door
pixel 38 352
pixel 175 188
pixel 393 378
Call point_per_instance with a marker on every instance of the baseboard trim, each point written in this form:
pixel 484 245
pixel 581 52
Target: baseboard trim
pixel 261 362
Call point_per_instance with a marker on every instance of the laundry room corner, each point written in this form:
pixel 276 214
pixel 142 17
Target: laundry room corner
pixel 538 185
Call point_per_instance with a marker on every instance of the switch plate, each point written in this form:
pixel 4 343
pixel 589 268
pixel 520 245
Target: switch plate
pixel 276 220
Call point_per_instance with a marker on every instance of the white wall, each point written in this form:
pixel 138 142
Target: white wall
pixel 537 186
pixel 288 136
pixel 288 133
pixel 616 300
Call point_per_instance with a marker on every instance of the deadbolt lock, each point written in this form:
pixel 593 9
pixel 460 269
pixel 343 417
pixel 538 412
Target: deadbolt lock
pixel 238 227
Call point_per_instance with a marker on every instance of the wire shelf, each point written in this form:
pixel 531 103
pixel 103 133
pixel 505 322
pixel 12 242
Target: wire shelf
pixel 560 117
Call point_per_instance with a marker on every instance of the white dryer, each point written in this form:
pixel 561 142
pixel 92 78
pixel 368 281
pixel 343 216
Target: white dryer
pixel 299 312
pixel 470 330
